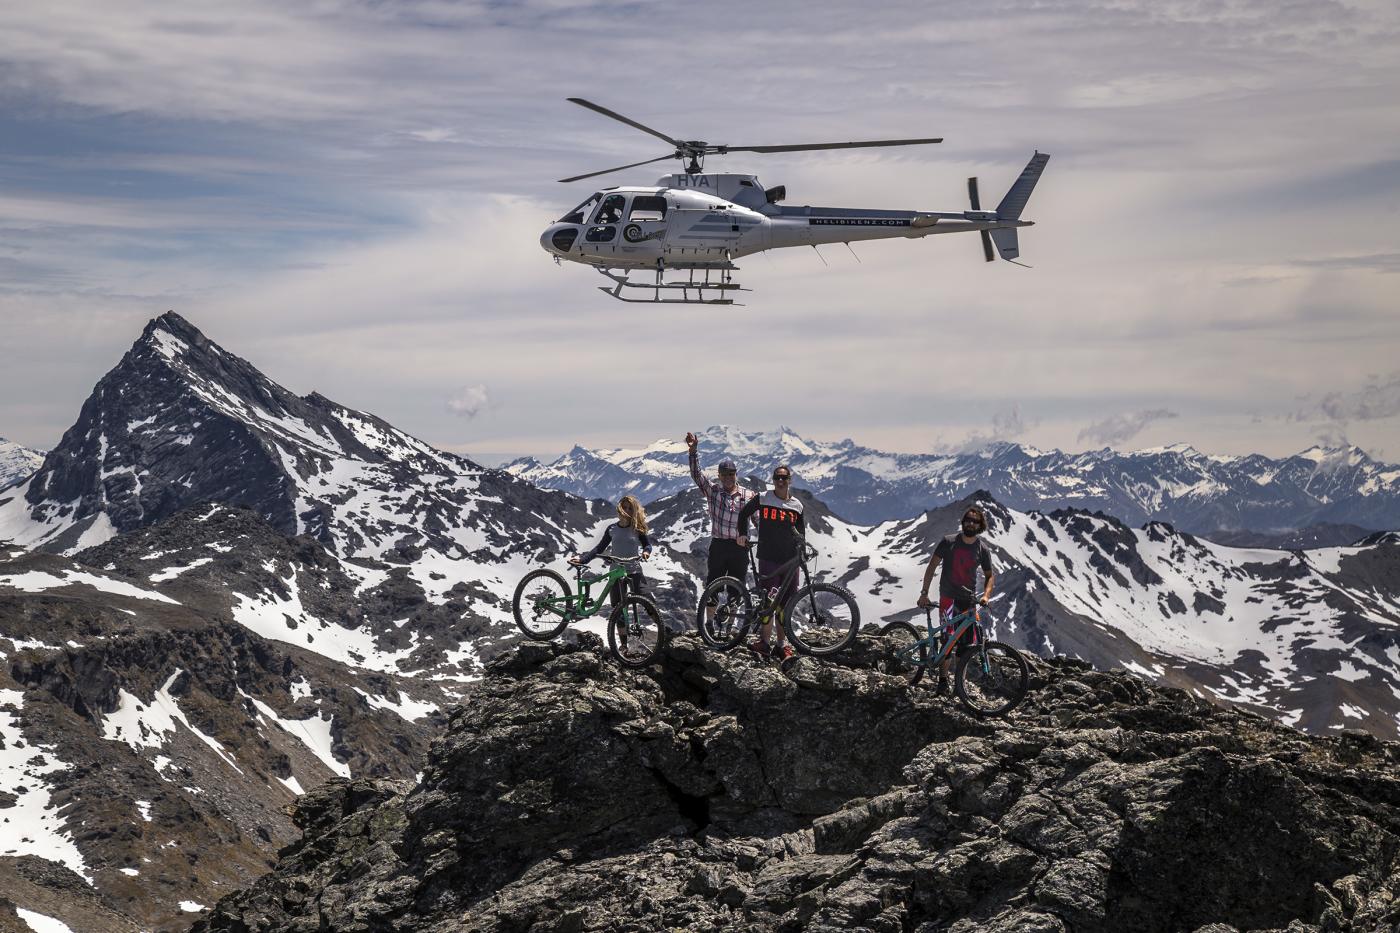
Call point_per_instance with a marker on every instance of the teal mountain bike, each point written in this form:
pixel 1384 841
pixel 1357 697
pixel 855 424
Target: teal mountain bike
pixel 545 604
pixel 990 677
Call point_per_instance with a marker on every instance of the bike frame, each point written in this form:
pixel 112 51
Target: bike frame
pixel 578 606
pixel 962 622
pixel 769 610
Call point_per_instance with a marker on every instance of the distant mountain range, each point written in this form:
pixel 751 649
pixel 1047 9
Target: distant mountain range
pixel 217 594
pixel 17 462
pixel 1338 487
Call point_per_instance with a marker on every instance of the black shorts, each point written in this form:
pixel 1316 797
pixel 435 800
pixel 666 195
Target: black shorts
pixel 726 559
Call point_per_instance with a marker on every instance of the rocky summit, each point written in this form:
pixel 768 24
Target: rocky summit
pixel 718 794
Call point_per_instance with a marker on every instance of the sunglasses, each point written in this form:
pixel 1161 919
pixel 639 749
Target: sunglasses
pixel 781 479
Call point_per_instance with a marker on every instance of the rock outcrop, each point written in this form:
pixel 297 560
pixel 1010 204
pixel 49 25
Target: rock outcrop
pixel 719 794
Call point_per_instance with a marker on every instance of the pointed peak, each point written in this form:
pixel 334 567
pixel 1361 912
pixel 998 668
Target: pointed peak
pixel 173 323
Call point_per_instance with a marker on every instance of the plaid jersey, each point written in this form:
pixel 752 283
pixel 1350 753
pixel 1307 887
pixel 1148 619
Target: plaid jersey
pixel 724 506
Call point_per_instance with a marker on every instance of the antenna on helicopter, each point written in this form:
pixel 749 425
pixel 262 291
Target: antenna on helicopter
pixel 695 150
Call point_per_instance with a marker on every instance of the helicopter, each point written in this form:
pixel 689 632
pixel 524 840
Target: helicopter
pixel 677 240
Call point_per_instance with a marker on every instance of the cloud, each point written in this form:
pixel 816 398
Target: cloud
pixel 470 401
pixel 1007 425
pixel 1378 398
pixel 1116 429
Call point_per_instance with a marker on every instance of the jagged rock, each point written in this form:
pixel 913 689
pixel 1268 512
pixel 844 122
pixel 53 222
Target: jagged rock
pixel 719 794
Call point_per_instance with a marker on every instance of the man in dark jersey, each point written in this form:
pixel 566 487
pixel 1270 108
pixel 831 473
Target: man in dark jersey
pixel 960 556
pixel 780 525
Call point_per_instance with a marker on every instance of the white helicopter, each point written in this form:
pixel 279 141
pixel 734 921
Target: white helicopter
pixel 694 223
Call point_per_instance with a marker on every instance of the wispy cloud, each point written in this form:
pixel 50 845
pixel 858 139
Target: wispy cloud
pixel 1117 429
pixel 1378 398
pixel 1007 425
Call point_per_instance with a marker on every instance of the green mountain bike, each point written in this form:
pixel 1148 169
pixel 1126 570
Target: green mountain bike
pixel 545 604
pixel 823 619
pixel 990 677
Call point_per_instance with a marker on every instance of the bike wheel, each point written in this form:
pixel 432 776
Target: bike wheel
pixel 823 620
pixel 900 658
pixel 538 604
pixel 992 679
pixel 732 602
pixel 635 633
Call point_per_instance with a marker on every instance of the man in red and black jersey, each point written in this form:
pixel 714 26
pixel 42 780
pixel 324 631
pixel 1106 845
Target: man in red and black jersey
pixel 960 555
pixel 780 530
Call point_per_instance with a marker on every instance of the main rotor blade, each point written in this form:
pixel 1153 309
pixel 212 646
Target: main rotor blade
pixel 621 119
pixel 669 155
pixel 987 245
pixel 807 147
pixel 972 194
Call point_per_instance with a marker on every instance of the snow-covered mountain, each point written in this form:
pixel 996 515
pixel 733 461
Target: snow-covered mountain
pixel 218 594
pixel 17 462
pixel 1308 637
pixel 150 744
pixel 1191 490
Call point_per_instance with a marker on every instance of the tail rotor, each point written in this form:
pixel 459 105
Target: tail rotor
pixel 976 203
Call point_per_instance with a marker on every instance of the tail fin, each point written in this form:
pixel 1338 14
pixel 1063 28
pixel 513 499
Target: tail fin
pixel 1005 239
pixel 1015 201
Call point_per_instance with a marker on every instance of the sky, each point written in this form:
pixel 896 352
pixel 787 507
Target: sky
pixel 350 195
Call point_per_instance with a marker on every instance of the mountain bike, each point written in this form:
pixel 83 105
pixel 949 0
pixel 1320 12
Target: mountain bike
pixel 823 618
pixel 545 604
pixel 991 678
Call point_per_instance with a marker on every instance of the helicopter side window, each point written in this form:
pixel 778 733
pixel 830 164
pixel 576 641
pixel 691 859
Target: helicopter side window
pixel 580 214
pixel 610 212
pixel 600 234
pixel 647 207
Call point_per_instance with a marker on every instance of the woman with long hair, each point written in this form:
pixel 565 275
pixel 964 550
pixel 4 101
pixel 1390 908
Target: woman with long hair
pixel 625 538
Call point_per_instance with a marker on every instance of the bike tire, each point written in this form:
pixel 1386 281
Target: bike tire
pixel 529 619
pixel 733 609
pixel 912 669
pixel 996 688
pixel 824 619
pixel 636 635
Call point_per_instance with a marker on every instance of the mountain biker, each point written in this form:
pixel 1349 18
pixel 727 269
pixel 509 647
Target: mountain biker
pixel 960 556
pixel 781 527
pixel 724 501
pixel 625 538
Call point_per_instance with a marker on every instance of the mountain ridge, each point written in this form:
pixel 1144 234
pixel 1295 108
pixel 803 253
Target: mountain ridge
pixel 1197 492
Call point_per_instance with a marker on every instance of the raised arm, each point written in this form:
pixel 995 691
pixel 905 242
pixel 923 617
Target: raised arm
pixel 700 479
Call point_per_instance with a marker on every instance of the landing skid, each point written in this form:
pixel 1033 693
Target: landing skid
pixel 716 290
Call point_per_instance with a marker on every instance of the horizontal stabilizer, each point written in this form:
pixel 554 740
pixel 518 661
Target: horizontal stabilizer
pixel 1015 201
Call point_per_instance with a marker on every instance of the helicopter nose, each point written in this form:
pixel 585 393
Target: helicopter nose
pixel 559 239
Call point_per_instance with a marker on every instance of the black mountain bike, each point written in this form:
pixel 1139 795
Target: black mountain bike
pixel 544 605
pixel 990 677
pixel 823 619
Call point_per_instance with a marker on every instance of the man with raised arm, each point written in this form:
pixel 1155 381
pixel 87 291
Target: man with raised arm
pixel 781 530
pixel 960 555
pixel 724 502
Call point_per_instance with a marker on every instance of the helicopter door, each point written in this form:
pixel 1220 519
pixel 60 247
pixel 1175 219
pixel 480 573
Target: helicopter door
pixel 646 221
pixel 701 233
pixel 601 235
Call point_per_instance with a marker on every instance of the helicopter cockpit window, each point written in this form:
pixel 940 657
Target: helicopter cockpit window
pixel 580 214
pixel 611 210
pixel 647 207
